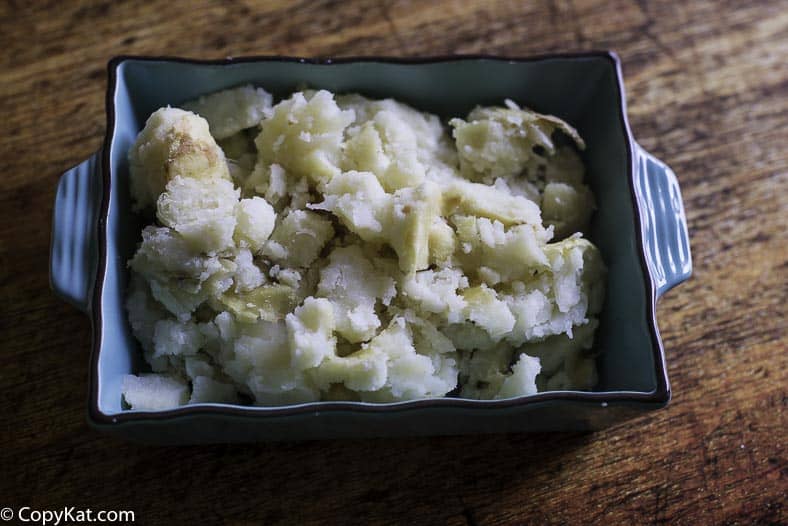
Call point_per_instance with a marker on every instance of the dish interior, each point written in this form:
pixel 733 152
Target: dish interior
pixel 582 90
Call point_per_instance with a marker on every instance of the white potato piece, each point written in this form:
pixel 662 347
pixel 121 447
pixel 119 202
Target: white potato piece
pixel 176 338
pixel 481 200
pixel 360 203
pixel 566 361
pixel 179 278
pixel 143 312
pixel 487 311
pixel 164 253
pixel 402 220
pixel 387 147
pixel 310 330
pixel 247 276
pixel 399 128
pixel 560 297
pixel 498 142
pixel 201 211
pixel 361 371
pixel 208 390
pixel 199 364
pixel 499 373
pixel 484 371
pixel 437 292
pixel 442 242
pixel 353 286
pixel 304 136
pixel 154 392
pixel 298 239
pixel 255 220
pixel 412 214
pixel 173 143
pixel 260 361
pixel 495 253
pixel 270 302
pixel 410 374
pixel 567 208
pixel 469 337
pixel 522 381
pixel 232 110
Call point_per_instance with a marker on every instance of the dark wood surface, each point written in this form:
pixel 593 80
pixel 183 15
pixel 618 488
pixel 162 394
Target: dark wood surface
pixel 708 93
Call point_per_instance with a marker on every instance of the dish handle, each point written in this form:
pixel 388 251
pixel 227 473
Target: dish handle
pixel 74 251
pixel 664 222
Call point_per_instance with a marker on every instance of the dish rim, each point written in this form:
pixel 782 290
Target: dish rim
pixel 660 396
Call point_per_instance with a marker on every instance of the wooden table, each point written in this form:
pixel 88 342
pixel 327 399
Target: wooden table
pixel 708 93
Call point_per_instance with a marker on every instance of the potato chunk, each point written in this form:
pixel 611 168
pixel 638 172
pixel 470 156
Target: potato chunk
pixel 561 296
pixel 397 143
pixel 462 197
pixel 154 392
pixel 487 311
pixel 360 202
pixel 202 211
pixel 413 212
pixel 310 331
pixel 386 147
pixel 566 362
pixel 522 381
pixel 354 286
pixel 410 374
pixel 143 312
pixel 496 254
pixel 176 338
pixel 442 242
pixel 567 208
pixel 298 239
pixel 304 136
pixel 205 389
pixel 498 142
pixel 362 370
pixel 268 303
pixel 232 110
pixel 180 278
pixel 491 375
pixel 174 142
pixel 255 220
pixel 437 292
pixel 403 220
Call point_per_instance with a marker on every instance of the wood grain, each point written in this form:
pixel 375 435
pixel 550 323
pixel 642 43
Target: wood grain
pixel 707 87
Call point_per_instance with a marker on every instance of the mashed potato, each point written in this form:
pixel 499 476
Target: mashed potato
pixel 341 248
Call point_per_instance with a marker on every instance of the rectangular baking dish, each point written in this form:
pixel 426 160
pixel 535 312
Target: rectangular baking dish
pixel 640 228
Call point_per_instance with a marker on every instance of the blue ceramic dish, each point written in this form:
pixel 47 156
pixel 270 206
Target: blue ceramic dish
pixel 640 228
